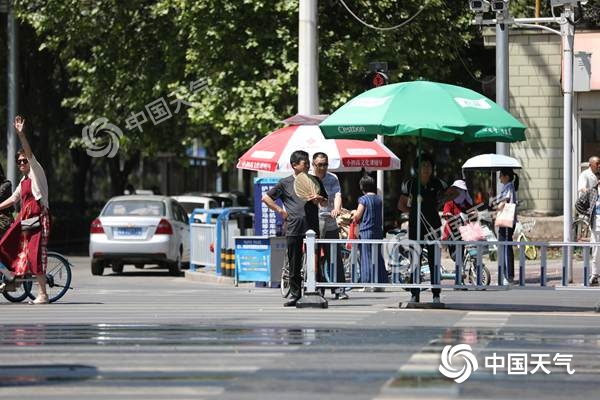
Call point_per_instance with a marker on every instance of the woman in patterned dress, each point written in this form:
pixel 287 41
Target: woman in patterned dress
pixel 25 249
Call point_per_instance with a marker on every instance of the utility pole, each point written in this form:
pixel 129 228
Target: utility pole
pixel 567 30
pixel 502 97
pixel 308 68
pixel 12 80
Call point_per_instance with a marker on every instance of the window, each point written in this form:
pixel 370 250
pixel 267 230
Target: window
pixel 146 208
pixel 590 138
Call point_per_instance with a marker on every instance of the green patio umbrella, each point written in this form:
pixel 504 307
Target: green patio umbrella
pixel 425 109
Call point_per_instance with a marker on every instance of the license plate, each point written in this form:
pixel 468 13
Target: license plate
pixel 129 232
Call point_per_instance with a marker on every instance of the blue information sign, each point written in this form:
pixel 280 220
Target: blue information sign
pixel 266 221
pixel 252 259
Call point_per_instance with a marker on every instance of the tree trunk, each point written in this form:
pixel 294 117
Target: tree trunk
pixel 81 163
pixel 118 177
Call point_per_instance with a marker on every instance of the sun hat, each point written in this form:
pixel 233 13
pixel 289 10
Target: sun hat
pixel 459 183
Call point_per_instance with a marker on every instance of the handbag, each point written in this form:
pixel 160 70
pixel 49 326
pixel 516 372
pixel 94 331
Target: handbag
pixel 506 217
pixel 352 234
pixel 471 232
pixel 30 223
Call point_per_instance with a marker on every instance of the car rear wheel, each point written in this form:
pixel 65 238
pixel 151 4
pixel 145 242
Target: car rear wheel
pixel 97 267
pixel 117 268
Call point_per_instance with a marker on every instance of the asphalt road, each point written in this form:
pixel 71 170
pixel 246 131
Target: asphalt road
pixel 148 335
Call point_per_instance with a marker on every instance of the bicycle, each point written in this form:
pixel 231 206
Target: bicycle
pixel 581 233
pixel 520 229
pixel 399 260
pixel 58 281
pixel 581 229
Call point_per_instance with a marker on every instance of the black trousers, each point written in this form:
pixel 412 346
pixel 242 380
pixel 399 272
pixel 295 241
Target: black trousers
pixel 294 253
pixel 506 234
pixel 431 260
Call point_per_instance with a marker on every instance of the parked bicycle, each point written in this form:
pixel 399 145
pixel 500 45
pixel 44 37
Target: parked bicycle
pixel 399 256
pixel 58 281
pixel 581 229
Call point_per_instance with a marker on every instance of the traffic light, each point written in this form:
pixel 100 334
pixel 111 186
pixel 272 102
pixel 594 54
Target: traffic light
pixel 377 75
pixel 376 79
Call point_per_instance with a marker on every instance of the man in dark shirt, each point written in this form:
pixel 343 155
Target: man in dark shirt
pixel 299 215
pixel 432 194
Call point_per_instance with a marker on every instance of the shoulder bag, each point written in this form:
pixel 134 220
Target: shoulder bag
pixel 506 217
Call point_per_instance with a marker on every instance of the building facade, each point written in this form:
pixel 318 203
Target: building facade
pixel 536 98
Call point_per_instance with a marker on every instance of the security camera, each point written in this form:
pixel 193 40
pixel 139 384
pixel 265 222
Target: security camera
pixel 499 5
pixel 479 6
pixel 558 3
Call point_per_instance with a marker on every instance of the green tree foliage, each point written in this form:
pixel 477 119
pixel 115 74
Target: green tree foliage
pixel 120 56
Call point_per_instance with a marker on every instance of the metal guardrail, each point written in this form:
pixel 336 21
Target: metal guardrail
pixel 536 270
pixel 201 238
pixel 217 234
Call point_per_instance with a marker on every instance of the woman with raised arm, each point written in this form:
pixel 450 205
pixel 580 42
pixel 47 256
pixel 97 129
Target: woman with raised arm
pixel 23 247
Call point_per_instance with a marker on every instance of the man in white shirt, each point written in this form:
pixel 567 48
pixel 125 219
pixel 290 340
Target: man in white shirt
pixel 587 179
pixel 327 218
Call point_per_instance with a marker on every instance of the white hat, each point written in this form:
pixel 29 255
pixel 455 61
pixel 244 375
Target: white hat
pixel 459 183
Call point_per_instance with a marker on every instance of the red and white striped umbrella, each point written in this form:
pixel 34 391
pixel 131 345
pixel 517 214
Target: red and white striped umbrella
pixel 272 153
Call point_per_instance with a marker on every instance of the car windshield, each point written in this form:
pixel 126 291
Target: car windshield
pixel 145 208
pixel 189 207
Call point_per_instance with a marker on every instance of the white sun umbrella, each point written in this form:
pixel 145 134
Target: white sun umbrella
pixel 491 161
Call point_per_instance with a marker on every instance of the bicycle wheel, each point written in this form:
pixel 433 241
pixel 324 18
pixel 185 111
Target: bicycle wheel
pixel 58 277
pixel 471 275
pixel 581 233
pixel 581 230
pixel 21 292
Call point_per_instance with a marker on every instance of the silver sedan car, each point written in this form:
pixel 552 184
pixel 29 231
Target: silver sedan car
pixel 140 230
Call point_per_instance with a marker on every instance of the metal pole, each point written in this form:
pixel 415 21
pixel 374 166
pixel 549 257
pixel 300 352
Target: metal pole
pixel 568 30
pixel 308 89
pixel 12 81
pixel 380 182
pixel 502 77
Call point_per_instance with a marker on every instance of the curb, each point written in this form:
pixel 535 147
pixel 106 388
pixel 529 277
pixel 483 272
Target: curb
pixel 210 277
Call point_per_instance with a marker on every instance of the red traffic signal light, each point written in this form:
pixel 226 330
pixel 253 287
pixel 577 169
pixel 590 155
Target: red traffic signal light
pixel 376 79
